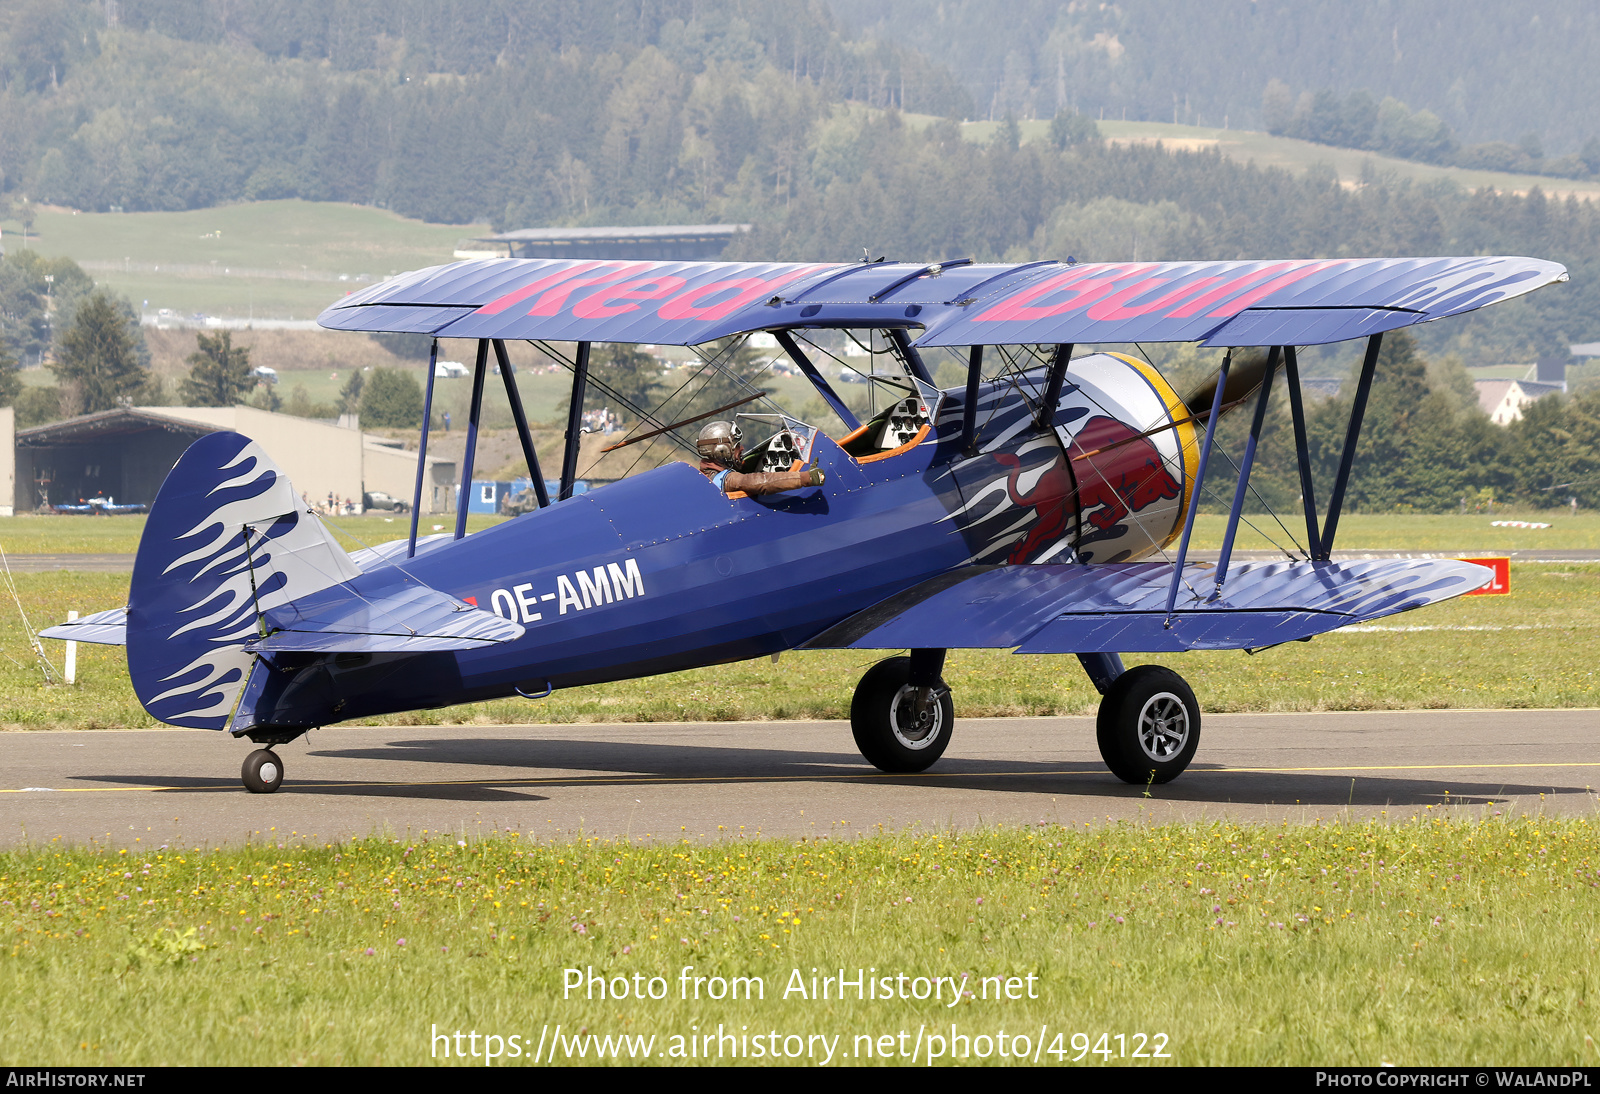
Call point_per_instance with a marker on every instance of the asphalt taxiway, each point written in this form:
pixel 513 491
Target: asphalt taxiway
pixel 143 788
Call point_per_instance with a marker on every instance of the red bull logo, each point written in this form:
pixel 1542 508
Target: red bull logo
pixel 1048 492
pixel 1119 473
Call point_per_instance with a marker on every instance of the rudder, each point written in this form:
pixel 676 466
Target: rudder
pixel 226 539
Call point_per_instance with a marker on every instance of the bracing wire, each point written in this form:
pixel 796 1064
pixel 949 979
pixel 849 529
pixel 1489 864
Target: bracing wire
pixel 713 364
pixel 626 404
pixel 33 637
pixel 1264 504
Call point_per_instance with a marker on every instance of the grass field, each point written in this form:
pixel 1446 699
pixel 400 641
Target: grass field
pixel 50 535
pixel 310 245
pixel 1532 648
pixel 1416 532
pixel 1451 939
pixel 33 534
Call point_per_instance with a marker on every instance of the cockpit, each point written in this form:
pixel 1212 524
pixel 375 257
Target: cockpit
pixel 909 407
pixel 644 406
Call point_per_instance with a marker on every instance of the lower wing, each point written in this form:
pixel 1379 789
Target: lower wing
pixel 1121 607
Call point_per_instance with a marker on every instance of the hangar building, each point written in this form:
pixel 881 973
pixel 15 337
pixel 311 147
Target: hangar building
pixel 126 453
pixel 661 242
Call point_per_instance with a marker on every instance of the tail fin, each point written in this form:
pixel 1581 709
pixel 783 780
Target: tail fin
pixel 227 539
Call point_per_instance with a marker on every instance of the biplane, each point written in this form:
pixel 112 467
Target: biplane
pixel 1045 504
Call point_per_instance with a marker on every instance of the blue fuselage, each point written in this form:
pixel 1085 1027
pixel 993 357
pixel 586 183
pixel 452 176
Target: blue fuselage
pixel 651 574
pixel 663 572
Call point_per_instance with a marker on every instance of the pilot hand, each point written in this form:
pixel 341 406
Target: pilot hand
pixel 817 475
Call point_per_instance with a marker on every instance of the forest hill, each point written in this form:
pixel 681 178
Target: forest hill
pixel 693 112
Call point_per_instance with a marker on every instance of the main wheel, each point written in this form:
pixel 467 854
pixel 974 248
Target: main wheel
pixel 896 729
pixel 1149 725
pixel 262 772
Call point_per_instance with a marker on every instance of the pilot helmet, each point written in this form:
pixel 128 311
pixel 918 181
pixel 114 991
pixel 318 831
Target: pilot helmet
pixel 720 441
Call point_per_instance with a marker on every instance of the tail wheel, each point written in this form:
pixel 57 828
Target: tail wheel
pixel 1149 725
pixel 262 772
pixel 900 728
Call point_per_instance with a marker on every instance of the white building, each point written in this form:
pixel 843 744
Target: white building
pixel 1503 400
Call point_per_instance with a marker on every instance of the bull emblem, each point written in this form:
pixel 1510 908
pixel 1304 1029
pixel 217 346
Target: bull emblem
pixel 1047 490
pixel 1125 475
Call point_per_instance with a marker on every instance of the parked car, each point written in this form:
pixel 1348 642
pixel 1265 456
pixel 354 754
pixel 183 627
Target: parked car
pixel 377 499
pixel 526 501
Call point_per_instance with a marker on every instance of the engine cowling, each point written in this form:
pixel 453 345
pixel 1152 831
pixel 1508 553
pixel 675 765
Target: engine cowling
pixel 1109 483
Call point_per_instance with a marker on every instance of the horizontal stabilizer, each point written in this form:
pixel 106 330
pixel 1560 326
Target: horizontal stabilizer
pixel 402 618
pixel 110 627
pixel 107 628
pixel 1121 607
pixel 384 554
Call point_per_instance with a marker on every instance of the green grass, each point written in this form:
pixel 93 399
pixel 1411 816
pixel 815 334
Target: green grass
pixel 287 235
pixel 1455 938
pixel 1530 649
pixel 227 297
pixel 37 534
pixel 1417 531
pixel 297 237
pixel 34 534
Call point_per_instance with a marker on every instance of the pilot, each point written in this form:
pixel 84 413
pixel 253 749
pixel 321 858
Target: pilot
pixel 721 446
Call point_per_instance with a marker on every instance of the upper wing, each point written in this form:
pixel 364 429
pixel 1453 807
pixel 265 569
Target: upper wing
pixel 1121 607
pixel 672 303
pixel 1300 302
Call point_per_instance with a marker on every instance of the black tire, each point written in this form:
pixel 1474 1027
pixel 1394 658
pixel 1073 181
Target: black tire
pixel 1149 725
pixel 262 772
pixel 885 726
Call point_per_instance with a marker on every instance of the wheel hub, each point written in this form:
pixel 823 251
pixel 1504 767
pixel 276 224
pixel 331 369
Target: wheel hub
pixel 916 716
pixel 1163 726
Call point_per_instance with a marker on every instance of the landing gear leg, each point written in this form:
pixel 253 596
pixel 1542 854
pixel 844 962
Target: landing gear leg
pixel 1103 669
pixel 262 772
pixel 902 713
pixel 1149 725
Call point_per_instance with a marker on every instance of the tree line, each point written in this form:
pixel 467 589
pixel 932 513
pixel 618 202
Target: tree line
pixel 1491 72
pixel 912 192
pixel 627 111
pixel 517 112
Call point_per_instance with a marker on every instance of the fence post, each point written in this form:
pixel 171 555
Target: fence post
pixel 72 654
